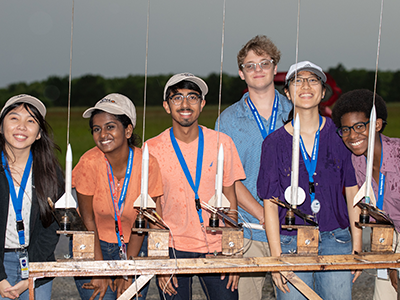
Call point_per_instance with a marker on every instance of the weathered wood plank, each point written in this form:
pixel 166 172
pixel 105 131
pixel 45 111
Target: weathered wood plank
pixel 214 265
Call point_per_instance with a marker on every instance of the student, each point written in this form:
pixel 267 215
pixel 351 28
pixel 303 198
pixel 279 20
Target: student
pixel 351 115
pixel 107 179
pixel 29 176
pixel 187 154
pixel 325 164
pixel 260 111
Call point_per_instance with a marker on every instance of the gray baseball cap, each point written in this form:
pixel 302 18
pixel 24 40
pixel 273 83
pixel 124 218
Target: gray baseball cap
pixel 23 98
pixel 189 77
pixel 305 66
pixel 115 104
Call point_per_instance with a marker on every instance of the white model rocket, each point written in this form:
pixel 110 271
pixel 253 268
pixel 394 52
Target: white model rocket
pixel 219 200
pixel 144 201
pixel 366 190
pixel 67 200
pixel 294 194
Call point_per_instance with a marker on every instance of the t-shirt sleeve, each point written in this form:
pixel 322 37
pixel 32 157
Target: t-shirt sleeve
pixel 233 169
pixel 84 175
pixel 155 180
pixel 268 179
pixel 349 172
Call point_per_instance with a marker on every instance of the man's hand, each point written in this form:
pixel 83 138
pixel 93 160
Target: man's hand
pixel 280 282
pixel 233 281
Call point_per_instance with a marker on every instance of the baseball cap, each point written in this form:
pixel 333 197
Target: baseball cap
pixel 305 66
pixel 115 104
pixel 23 98
pixel 189 77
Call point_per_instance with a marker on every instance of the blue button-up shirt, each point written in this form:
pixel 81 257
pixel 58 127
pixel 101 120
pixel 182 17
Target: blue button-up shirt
pixel 238 122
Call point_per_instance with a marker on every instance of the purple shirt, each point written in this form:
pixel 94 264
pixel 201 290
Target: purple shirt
pixel 391 169
pixel 334 172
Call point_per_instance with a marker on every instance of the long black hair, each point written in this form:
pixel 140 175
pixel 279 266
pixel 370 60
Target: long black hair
pixel 45 163
pixel 134 140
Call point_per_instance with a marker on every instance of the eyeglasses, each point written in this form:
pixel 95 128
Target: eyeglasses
pixel 299 81
pixel 264 65
pixel 192 98
pixel 345 131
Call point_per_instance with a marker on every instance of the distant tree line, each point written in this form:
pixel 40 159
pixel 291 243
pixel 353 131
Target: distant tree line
pixel 88 89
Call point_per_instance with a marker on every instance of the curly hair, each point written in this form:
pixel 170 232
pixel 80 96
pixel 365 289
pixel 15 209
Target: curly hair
pixel 261 45
pixel 359 101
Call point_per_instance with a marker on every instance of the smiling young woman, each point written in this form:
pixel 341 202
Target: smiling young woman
pixel 29 175
pixel 107 181
pixel 324 171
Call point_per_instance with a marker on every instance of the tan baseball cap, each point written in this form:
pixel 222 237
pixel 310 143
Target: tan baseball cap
pixel 23 98
pixel 189 77
pixel 115 104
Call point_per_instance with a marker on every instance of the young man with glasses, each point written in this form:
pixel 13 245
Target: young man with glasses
pixel 187 154
pixel 260 111
pixel 351 115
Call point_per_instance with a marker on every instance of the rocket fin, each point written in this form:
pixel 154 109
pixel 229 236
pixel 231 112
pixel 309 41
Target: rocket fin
pixel 225 201
pixel 61 203
pixel 150 202
pixel 361 194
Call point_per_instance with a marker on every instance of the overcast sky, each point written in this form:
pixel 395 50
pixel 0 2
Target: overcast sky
pixel 185 35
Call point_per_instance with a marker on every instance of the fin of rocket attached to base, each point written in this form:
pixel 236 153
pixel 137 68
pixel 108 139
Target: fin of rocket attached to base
pixel 64 203
pixel 361 194
pixel 150 202
pixel 225 201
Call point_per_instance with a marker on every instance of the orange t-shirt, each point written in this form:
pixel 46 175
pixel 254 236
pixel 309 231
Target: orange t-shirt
pixel 89 177
pixel 178 202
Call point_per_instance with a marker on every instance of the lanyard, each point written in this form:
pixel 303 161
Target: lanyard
pixel 119 204
pixel 381 190
pixel 257 116
pixel 199 165
pixel 311 164
pixel 17 201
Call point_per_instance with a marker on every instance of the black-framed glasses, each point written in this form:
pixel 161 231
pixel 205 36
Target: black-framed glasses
pixel 192 98
pixel 359 127
pixel 299 81
pixel 264 65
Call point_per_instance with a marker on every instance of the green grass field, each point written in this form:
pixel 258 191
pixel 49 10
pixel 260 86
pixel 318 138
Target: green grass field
pixel 157 120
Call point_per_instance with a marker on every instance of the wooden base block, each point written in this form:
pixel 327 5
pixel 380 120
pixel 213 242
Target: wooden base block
pixel 382 239
pixel 83 245
pixel 232 242
pixel 307 238
pixel 158 243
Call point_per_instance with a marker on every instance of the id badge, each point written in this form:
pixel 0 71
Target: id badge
pixel 122 252
pixel 24 264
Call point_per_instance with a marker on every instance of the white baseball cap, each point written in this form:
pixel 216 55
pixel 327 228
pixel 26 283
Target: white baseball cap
pixel 189 77
pixel 23 98
pixel 305 66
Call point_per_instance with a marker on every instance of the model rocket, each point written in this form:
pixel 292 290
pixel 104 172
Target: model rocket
pixel 366 190
pixel 144 201
pixel 67 200
pixel 219 200
pixel 294 194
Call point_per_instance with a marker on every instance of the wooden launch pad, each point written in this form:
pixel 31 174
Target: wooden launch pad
pixel 151 267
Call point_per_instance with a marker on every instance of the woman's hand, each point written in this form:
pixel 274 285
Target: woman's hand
pixel 5 285
pixel 19 288
pixel 280 282
pixel 99 285
pixel 121 285
pixel 167 284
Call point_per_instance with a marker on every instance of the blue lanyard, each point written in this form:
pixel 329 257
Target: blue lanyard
pixel 199 166
pixel 17 201
pixel 118 205
pixel 311 164
pixel 257 116
pixel 381 190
